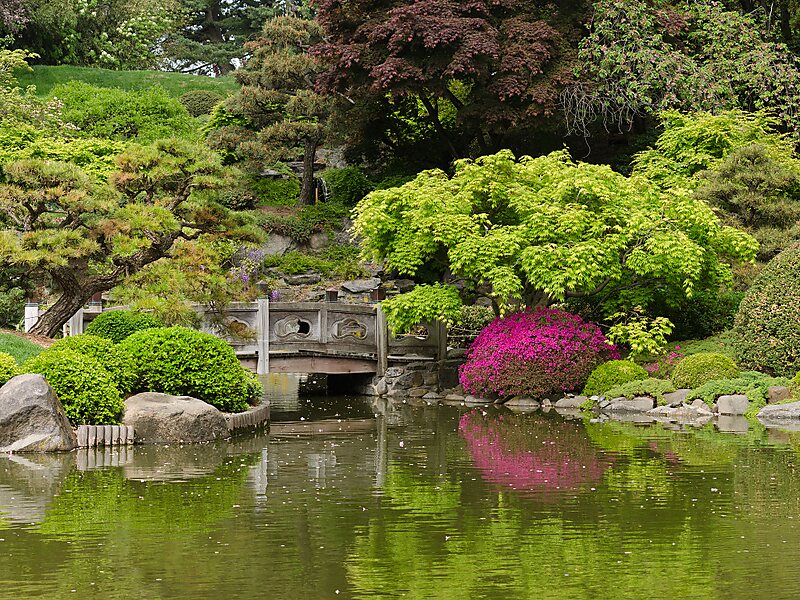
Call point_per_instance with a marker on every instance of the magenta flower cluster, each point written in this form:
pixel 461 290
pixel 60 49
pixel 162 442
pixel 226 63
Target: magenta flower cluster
pixel 534 353
pixel 664 366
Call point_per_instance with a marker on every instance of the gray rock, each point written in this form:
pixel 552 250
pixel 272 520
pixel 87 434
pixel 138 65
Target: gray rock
pixel 410 380
pixel 571 402
pixel 474 400
pixel 638 404
pixel 431 396
pixel 454 398
pixel 277 244
pixel 680 413
pixel 788 411
pixel 546 403
pixel 735 404
pixel 676 398
pixel 404 285
pixel 318 241
pixel 164 419
pixel 521 401
pixel 32 419
pixel 777 393
pixel 361 286
pixel 698 403
pixel 304 279
pixel 417 392
pixel 393 372
pixel 381 388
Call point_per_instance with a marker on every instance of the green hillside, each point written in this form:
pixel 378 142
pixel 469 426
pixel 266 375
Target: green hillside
pixel 45 78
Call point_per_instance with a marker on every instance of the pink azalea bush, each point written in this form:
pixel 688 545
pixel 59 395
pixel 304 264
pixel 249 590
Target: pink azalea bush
pixel 534 353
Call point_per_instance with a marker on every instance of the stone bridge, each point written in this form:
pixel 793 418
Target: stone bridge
pixel 323 337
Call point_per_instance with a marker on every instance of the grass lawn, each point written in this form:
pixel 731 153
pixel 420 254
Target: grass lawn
pixel 46 78
pixel 18 347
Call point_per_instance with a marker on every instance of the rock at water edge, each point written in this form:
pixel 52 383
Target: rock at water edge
pixel 735 404
pixel 31 417
pixel 164 419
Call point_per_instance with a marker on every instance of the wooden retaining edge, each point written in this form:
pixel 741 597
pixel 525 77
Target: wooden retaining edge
pixel 93 436
pixel 251 420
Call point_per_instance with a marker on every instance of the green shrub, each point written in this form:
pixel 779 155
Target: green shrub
pixel 767 326
pixel 697 369
pixel 705 314
pixel 277 192
pixel 12 307
pixel 200 102
pixel 116 114
pixel 8 367
pixel 18 347
pixel 181 361
pixel 471 322
pixel 655 388
pixel 116 325
pixel 85 389
pixel 347 186
pixel 113 358
pixel 612 374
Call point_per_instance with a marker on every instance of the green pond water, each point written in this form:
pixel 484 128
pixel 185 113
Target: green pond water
pixel 434 502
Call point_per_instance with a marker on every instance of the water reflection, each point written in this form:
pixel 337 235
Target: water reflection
pixel 432 502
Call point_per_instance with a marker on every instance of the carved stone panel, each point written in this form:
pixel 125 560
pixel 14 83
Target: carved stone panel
pixel 293 327
pixel 349 328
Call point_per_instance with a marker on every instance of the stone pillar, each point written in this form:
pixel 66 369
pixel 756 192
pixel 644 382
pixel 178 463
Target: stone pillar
pixel 31 315
pixel 262 336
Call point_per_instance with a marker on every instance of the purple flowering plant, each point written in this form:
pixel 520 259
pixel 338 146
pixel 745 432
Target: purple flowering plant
pixel 534 353
pixel 665 365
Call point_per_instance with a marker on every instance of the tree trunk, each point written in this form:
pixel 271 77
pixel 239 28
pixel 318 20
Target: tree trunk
pixel 307 186
pixel 61 312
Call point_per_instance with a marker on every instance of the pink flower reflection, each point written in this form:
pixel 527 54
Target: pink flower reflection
pixel 545 457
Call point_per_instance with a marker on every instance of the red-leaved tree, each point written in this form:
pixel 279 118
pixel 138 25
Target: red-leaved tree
pixel 500 64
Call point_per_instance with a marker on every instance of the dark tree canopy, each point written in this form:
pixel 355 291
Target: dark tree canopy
pixel 499 64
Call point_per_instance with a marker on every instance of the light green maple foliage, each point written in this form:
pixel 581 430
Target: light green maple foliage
pixel 539 230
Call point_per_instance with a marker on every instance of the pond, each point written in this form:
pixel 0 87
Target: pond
pixel 429 502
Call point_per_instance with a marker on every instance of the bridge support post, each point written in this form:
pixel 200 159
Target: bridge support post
pixel 382 339
pixel 262 336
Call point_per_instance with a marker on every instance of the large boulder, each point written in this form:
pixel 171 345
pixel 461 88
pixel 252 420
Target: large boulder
pixel 31 417
pixel 163 419
pixel 788 411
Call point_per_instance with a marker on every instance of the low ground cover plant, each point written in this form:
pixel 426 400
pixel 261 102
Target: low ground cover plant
pixel 654 388
pixel 752 384
pixel 18 347
pixel 181 361
pixel 534 353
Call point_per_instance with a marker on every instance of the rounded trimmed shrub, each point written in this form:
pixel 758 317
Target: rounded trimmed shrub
pixel 534 353
pixel 347 185
pixel 200 102
pixel 185 362
pixel 113 358
pixel 612 373
pixel 697 369
pixel 116 325
pixel 8 367
pixel 766 333
pixel 85 389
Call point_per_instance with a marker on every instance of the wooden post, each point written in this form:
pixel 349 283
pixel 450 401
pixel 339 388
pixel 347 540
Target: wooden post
pixel 382 339
pixel 262 332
